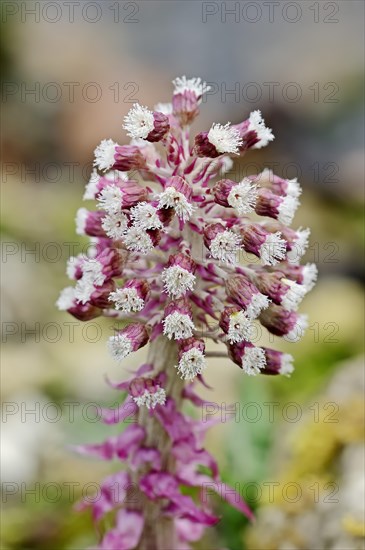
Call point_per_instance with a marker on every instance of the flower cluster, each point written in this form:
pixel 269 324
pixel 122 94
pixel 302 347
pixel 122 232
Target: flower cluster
pixel 176 257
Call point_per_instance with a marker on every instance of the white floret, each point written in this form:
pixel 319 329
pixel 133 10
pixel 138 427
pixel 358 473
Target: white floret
pixel 178 325
pixel 243 196
pixel 253 360
pixel 119 346
pixel 257 124
pixel 224 138
pixel 191 364
pixel 273 250
pixel 110 199
pixel 171 198
pixel 225 247
pixel 126 300
pixel 150 400
pixel 137 240
pixel 115 224
pixel 177 281
pixel 240 327
pixel 104 154
pixel 139 122
pixel 66 299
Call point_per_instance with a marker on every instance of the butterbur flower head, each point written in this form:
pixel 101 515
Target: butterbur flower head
pixel 309 276
pixel 244 293
pixel 114 224
pixel 129 157
pixel 195 86
pixel 97 182
pixel 282 322
pixel 219 140
pixel 269 247
pixel 147 392
pixel 280 290
pixel 169 261
pixel 187 96
pixel 100 295
pixel 178 277
pixel 250 358
pixel 241 196
pixel 263 135
pixel 83 312
pixel 298 245
pixel 178 322
pixel 89 223
pixel 277 362
pixel 110 199
pixel 278 185
pixel 137 240
pixel 236 324
pixel 145 216
pixel 105 154
pixel 191 358
pixel 224 138
pixel 138 122
pixel 131 297
pixel 142 123
pixel 223 244
pixel 276 206
pixel 177 195
pixel 127 340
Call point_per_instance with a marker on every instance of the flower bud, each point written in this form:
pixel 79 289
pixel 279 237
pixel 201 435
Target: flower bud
pixel 128 157
pixel 277 362
pixel 281 322
pixel 278 185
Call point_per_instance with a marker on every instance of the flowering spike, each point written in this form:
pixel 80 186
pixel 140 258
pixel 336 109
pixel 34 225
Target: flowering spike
pixel 168 259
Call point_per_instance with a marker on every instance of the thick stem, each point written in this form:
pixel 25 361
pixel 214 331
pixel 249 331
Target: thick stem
pixel 158 532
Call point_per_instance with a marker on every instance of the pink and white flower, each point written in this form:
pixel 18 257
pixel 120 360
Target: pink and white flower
pixel 168 248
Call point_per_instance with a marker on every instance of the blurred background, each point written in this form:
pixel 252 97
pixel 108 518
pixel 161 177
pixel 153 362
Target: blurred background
pixel 70 72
